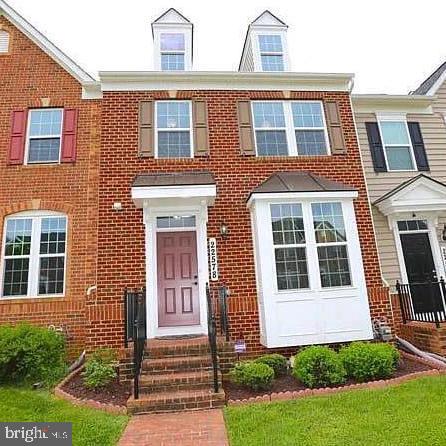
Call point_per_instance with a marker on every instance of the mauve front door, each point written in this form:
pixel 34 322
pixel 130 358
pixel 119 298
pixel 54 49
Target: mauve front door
pixel 178 300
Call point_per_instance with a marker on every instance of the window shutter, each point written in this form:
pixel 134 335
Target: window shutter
pixel 337 142
pixel 247 146
pixel 17 142
pixel 69 135
pixel 418 145
pixel 376 147
pixel 146 140
pixel 201 142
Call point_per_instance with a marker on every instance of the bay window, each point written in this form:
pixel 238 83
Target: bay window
pixel 34 254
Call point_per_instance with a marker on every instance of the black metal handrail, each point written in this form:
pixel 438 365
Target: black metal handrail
pixel 135 330
pixel 422 301
pixel 212 334
pixel 223 295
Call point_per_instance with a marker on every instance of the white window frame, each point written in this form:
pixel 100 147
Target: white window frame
pixel 49 136
pixel 403 119
pixel 271 53
pixel 34 255
pixel 7 40
pixel 177 129
pixel 290 129
pixel 180 52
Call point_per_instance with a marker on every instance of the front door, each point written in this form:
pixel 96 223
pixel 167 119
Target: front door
pixel 178 299
pixel 420 268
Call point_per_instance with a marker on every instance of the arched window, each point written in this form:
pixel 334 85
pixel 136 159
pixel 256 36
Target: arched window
pixel 4 42
pixel 34 254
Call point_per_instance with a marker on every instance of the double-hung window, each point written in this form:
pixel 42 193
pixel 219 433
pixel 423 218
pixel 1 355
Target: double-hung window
pixel 44 135
pixel 331 241
pixel 289 246
pixel 34 255
pixel 172 51
pixel 397 145
pixel 173 129
pixel 290 128
pixel 271 52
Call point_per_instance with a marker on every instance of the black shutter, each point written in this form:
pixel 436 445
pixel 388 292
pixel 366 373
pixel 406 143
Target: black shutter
pixel 376 147
pixel 418 145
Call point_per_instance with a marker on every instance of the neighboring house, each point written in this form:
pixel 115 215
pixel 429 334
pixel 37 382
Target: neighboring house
pixel 49 147
pixel 403 140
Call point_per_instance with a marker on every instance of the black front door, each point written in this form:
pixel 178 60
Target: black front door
pixel 420 268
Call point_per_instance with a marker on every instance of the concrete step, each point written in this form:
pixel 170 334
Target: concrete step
pixel 176 364
pixel 176 401
pixel 161 348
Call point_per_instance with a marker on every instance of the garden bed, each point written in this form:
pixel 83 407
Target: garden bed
pixel 407 366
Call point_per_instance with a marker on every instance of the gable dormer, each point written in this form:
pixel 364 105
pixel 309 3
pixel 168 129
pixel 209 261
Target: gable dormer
pixel 172 39
pixel 266 45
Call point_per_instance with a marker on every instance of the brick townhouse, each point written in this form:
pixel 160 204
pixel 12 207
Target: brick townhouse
pixel 184 183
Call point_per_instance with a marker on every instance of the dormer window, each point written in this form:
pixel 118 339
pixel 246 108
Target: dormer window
pixel 172 51
pixel 4 42
pixel 271 52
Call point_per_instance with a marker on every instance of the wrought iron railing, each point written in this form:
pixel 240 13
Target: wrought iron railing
pixel 212 334
pixel 423 301
pixel 135 330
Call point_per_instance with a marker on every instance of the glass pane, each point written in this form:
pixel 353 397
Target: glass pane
pixel 272 63
pixel 412 225
pixel 328 222
pixel 173 144
pixel 53 235
pixel 173 115
pixel 291 268
pixel 271 142
pixel 307 114
pixel 18 237
pixel 44 150
pixel 172 62
pixel 287 224
pixel 333 266
pixel 311 142
pixel 51 275
pixel 399 158
pixel 45 123
pixel 15 281
pixel 394 132
pixel 268 114
pixel 176 222
pixel 270 43
pixel 172 42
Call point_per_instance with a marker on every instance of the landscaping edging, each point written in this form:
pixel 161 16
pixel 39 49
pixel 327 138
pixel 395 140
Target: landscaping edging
pixel 110 408
pixel 291 395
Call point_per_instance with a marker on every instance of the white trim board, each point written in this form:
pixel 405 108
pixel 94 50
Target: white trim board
pixel 383 103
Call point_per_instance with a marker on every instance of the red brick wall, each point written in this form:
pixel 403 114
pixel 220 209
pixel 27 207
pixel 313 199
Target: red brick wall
pixel 27 75
pixel 121 259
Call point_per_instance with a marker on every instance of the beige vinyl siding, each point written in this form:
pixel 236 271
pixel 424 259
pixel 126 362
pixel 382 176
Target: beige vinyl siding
pixel 433 129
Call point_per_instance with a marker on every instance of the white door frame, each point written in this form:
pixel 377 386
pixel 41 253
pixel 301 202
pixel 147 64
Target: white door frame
pixel 180 208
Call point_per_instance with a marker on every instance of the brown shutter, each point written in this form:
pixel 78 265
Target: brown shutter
pixel 247 146
pixel 335 133
pixel 201 142
pixel 146 140
pixel 69 134
pixel 17 141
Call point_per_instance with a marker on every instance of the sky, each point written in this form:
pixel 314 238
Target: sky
pixel 390 45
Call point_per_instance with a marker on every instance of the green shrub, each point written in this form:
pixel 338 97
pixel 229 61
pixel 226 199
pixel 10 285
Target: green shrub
pixel 30 354
pixel 369 361
pixel 256 376
pixel 277 362
pixel 100 368
pixel 318 366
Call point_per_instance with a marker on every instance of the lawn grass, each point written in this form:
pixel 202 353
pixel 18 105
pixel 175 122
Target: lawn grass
pixel 411 414
pixel 90 427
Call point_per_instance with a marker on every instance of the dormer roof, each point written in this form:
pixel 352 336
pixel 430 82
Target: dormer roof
pixel 267 18
pixel 172 16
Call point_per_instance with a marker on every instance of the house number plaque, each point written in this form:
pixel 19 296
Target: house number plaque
pixel 213 261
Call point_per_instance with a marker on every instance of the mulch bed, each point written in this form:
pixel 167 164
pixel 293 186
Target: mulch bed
pixel 289 383
pixel 115 393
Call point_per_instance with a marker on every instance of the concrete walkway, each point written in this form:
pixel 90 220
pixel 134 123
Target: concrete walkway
pixel 199 428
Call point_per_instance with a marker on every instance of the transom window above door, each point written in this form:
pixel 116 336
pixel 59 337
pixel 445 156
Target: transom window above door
pixel 176 221
pixel 397 145
pixel 290 128
pixel 173 129
pixel 34 255
pixel 44 135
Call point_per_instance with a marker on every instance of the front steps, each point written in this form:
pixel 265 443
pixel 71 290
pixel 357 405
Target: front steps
pixel 176 375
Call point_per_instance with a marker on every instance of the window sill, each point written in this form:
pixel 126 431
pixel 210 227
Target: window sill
pixel 19 299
